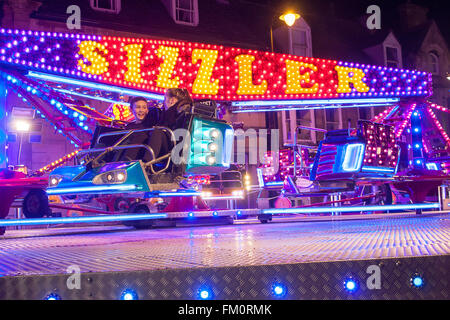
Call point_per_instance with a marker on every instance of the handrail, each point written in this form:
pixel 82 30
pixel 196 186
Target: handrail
pixel 107 134
pixel 312 129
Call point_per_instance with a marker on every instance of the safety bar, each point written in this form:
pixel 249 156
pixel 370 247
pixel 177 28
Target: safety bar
pixel 312 129
pixel 108 134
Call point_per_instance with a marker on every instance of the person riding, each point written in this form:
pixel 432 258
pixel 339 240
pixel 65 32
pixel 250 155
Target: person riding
pixel 177 103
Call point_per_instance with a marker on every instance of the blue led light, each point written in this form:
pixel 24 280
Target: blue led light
pixel 52 296
pixel 351 285
pixel 279 290
pixel 215 213
pixel 190 214
pixel 129 294
pixel 204 293
pixel 417 281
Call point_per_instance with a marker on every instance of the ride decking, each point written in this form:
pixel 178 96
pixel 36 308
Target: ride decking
pixel 234 260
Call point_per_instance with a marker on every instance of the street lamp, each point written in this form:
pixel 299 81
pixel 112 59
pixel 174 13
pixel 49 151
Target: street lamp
pixel 22 126
pixel 289 18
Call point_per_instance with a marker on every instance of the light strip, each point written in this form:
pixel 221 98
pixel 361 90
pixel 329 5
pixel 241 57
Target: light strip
pixel 260 177
pixel 353 209
pixel 87 84
pixel 90 219
pixel 311 101
pixel 274 183
pixel 312 107
pixel 74 93
pixel 178 194
pixel 126 187
pixel 223 197
pixel 380 169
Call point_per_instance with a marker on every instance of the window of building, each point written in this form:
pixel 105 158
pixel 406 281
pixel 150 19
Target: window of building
pixel 186 12
pixel 112 6
pixel 434 62
pixel 299 42
pixel 333 119
pixel 305 118
pixel 392 57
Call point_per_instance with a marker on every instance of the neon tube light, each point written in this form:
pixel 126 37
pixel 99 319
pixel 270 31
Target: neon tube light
pixel 311 102
pixel 126 187
pixel 178 194
pixel 380 169
pixel 274 183
pixel 354 154
pixel 90 219
pixel 353 209
pixel 87 84
pixel 74 93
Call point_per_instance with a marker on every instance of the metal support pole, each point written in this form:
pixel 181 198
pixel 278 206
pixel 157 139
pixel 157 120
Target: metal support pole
pixel 444 197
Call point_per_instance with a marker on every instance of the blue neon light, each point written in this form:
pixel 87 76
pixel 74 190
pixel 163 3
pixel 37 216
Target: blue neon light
pixel 87 84
pixel 102 188
pixel 431 166
pixel 353 209
pixel 260 177
pixel 378 169
pixel 274 183
pixel 354 154
pixel 88 219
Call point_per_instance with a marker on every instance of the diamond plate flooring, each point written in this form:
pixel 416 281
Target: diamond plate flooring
pixel 245 244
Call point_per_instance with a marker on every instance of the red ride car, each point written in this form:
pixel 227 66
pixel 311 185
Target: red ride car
pixel 15 184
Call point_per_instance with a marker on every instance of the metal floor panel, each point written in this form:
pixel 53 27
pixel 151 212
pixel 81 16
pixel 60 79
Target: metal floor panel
pixel 123 249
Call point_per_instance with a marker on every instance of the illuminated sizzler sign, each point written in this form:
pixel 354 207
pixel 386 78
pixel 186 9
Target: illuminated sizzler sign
pixel 207 71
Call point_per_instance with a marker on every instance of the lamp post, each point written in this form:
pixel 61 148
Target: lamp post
pixel 289 18
pixel 22 126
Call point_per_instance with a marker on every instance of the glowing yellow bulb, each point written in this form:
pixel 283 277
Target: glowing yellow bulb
pixel 290 18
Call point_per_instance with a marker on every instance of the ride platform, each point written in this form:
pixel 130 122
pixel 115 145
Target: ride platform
pixel 302 257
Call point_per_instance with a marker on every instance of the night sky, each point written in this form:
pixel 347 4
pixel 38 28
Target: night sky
pixel 439 10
